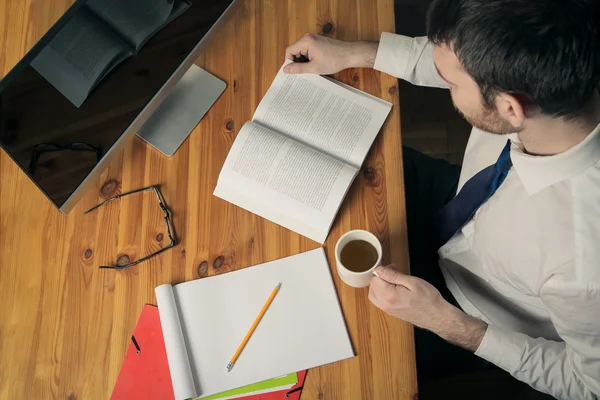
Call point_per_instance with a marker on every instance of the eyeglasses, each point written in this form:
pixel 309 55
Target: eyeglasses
pixel 169 223
pixel 42 148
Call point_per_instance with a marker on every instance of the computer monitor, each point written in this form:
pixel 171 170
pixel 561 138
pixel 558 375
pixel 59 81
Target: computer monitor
pixel 106 70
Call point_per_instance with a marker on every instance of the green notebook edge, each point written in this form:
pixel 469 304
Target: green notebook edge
pixel 282 381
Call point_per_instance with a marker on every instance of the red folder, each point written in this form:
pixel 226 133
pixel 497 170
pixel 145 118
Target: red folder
pixel 145 372
pixel 145 375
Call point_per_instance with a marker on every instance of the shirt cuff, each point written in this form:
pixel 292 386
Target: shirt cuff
pixel 393 54
pixel 502 348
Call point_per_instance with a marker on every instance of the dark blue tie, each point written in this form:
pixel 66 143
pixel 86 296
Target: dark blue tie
pixel 476 191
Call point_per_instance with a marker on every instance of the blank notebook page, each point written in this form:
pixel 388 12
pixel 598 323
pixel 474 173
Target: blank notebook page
pixel 303 327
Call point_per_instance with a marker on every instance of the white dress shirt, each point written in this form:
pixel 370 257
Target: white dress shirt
pixel 528 263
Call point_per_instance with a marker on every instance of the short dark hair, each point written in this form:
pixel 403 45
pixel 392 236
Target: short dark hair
pixel 545 50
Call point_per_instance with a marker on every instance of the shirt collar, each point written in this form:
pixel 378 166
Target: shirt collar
pixel 539 172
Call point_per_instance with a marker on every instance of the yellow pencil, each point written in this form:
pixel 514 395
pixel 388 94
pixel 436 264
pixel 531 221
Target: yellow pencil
pixel 252 328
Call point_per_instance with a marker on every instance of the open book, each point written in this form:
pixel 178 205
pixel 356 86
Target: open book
pixel 97 38
pixel 295 161
pixel 204 321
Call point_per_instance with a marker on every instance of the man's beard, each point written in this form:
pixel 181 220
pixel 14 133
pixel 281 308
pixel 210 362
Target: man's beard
pixel 489 120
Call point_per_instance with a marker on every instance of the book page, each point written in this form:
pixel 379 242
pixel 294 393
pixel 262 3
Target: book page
pixel 323 114
pixel 137 20
pixel 284 181
pixel 79 55
pixel 302 328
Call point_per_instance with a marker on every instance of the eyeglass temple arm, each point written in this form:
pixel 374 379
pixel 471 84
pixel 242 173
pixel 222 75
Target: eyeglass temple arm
pixel 155 188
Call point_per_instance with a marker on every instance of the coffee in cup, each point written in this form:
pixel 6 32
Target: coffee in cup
pixel 357 254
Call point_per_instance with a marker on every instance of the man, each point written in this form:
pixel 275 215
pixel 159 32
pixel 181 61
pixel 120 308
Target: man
pixel 519 245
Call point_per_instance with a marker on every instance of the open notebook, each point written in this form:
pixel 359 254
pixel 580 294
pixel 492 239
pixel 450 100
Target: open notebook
pixel 295 161
pixel 204 321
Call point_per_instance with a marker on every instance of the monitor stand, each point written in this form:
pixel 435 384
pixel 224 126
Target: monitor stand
pixel 179 113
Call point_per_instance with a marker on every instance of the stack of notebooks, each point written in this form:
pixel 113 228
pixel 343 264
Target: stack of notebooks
pixel 145 374
pixel 181 349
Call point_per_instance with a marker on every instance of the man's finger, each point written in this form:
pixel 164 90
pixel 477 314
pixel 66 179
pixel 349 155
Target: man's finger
pixel 392 276
pixel 387 296
pixel 299 68
pixel 380 285
pixel 383 290
pixel 373 297
pixel 301 56
pixel 302 46
pixel 296 49
pixel 393 266
pixel 376 297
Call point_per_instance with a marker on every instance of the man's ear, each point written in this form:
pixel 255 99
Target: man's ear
pixel 512 108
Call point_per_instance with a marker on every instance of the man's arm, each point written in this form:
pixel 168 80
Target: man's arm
pixel 324 56
pixel 407 58
pixel 566 370
pixel 418 302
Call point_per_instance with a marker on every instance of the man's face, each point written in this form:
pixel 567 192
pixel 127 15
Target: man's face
pixel 466 94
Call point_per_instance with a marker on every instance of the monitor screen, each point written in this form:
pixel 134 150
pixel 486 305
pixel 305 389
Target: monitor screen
pixel 68 101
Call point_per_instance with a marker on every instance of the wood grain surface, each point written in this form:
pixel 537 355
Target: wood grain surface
pixel 65 324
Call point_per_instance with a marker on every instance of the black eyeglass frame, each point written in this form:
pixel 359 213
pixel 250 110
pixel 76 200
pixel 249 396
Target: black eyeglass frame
pixel 168 222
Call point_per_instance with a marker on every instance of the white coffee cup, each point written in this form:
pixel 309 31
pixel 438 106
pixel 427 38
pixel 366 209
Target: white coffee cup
pixel 351 278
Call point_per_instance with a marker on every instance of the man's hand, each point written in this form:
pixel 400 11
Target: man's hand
pixel 418 302
pixel 327 56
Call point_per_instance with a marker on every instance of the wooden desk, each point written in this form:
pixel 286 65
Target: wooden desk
pixel 65 324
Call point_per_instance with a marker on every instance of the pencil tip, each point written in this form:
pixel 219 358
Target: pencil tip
pixel 279 286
